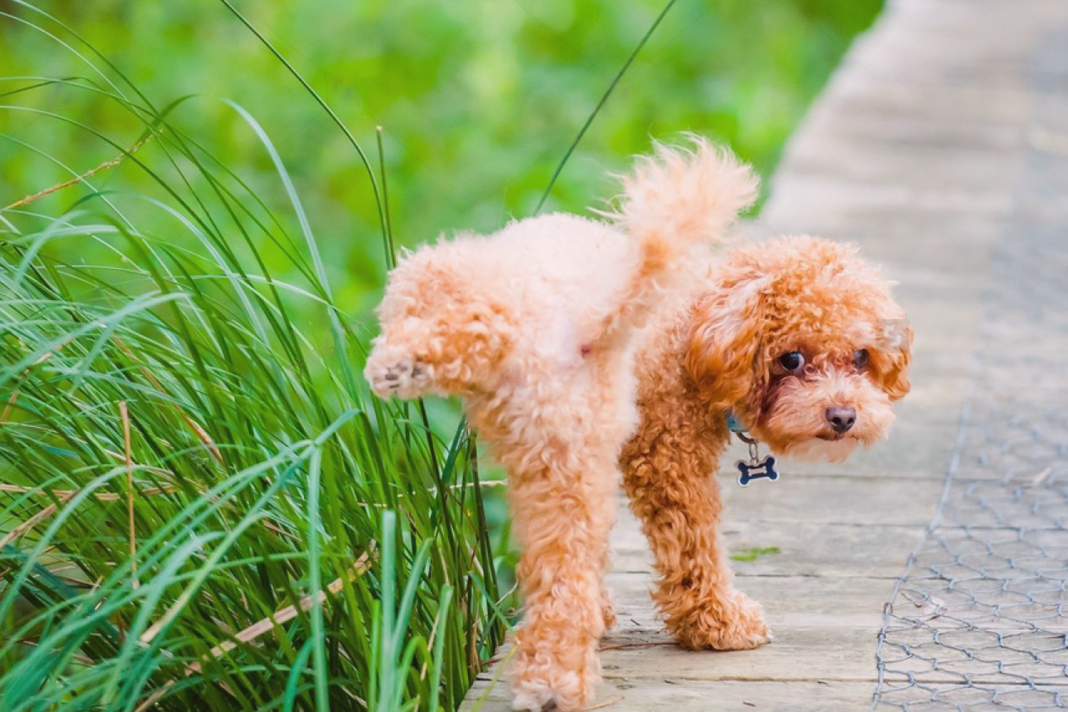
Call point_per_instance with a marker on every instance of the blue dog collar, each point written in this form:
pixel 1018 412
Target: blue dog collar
pixel 733 424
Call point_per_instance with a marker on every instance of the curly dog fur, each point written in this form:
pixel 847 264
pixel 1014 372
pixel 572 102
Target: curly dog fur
pixel 535 327
pixel 726 345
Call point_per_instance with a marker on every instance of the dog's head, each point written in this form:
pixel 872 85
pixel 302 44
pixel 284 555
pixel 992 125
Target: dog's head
pixel 803 341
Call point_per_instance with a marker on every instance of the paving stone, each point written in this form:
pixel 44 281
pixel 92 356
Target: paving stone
pixel 619 695
pixel 822 499
pixel 805 548
pixel 789 601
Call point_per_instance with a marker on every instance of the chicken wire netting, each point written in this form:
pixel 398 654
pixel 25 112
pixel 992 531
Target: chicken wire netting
pixel 980 619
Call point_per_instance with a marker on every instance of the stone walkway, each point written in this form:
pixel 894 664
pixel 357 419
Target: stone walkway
pixel 928 573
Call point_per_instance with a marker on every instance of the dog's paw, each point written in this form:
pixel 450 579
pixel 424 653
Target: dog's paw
pixel 532 695
pixel 540 683
pixel 739 625
pixel 565 693
pixel 404 379
pixel 608 611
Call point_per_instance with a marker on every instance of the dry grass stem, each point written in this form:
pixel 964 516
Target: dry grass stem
pixel 202 435
pixel 283 615
pixel 78 179
pixel 129 489
pixel 34 520
pixel 99 496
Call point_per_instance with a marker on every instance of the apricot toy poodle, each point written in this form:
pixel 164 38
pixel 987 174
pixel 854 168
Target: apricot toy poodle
pixel 801 341
pixel 534 327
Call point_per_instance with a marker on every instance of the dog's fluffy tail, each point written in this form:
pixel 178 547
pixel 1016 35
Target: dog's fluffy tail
pixel 674 200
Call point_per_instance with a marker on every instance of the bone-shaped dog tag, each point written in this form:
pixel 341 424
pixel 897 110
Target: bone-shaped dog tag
pixel 757 470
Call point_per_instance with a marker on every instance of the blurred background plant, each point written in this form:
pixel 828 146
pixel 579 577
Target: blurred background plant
pixel 200 505
pixel 478 99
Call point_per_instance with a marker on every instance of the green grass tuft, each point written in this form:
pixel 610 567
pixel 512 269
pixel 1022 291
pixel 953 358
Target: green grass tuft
pixel 201 506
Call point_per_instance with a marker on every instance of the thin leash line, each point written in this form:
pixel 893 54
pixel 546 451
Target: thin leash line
pixel 604 99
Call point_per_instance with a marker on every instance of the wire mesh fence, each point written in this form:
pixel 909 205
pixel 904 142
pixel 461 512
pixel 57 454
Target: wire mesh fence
pixel 980 620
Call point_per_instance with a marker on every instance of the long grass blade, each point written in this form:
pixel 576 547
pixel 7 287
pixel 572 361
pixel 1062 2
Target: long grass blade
pixel 600 104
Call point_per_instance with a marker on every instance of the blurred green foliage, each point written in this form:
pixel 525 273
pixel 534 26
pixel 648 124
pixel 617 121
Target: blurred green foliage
pixel 478 99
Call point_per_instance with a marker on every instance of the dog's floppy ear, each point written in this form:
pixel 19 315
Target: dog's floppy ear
pixel 724 337
pixel 894 353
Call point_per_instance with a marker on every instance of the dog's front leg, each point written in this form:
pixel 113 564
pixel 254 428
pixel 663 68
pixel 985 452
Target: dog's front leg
pixel 668 475
pixel 563 517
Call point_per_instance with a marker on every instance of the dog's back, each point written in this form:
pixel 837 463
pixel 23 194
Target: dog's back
pixel 563 288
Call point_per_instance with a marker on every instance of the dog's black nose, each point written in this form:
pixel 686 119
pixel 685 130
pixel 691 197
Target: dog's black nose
pixel 841 419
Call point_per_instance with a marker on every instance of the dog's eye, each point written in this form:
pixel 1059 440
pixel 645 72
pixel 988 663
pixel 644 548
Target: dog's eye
pixel 860 359
pixel 792 362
